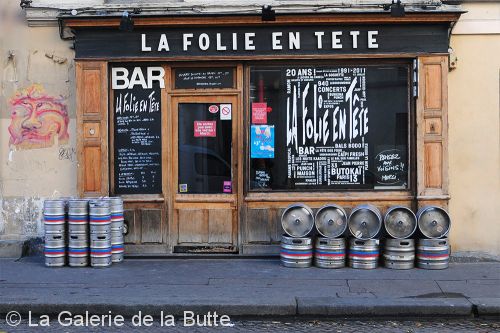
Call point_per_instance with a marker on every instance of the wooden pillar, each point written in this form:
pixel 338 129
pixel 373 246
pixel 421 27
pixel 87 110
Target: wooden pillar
pixel 432 131
pixel 92 128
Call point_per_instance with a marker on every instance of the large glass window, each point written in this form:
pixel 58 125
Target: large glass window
pixel 328 127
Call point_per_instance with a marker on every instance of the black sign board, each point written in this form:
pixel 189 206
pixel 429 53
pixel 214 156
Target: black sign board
pixel 250 41
pixel 137 139
pixel 203 78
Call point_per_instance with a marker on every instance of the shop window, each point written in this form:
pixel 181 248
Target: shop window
pixel 329 127
pixel 204 149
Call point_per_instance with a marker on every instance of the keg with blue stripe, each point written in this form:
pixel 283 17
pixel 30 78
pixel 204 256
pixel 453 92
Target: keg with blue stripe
pixel 100 256
pixel 296 252
pixel 78 249
pixel 55 256
pixel 433 253
pixel 329 252
pixel 54 216
pixel 116 210
pixel 399 253
pixel 99 216
pixel 54 220
pixel 78 216
pixel 363 254
pixel 117 245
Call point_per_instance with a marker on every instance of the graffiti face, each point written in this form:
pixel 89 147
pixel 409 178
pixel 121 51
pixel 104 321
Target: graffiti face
pixel 37 119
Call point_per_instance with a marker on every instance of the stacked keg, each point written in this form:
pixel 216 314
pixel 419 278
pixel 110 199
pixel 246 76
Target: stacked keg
pixel 54 217
pixel 117 248
pixel 296 248
pixel 330 249
pixel 365 222
pixel 100 233
pixel 433 251
pixel 78 232
pixel 399 252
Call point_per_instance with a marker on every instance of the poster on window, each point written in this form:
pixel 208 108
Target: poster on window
pixel 327 125
pixel 262 141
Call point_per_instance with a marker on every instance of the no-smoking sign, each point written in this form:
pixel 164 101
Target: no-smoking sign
pixel 225 111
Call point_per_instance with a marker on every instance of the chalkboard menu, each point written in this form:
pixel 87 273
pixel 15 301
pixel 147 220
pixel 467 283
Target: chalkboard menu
pixel 203 78
pixel 137 138
pixel 335 127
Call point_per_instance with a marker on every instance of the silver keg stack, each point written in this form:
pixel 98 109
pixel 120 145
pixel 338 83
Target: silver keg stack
pixel 78 232
pixel 330 248
pixel 365 222
pixel 433 251
pixel 399 252
pixel 54 218
pixel 296 248
pixel 100 233
pixel 117 247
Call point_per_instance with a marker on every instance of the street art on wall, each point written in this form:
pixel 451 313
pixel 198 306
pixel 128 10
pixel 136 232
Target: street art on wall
pixel 38 119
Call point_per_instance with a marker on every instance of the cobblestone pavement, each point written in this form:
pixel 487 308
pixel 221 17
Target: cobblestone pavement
pixel 289 325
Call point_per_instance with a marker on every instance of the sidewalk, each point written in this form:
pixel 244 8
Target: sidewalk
pixel 248 287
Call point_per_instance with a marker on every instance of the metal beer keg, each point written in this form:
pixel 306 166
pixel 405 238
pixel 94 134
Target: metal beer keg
pixel 117 251
pixel 365 221
pixel 296 252
pixel 100 256
pixel 400 222
pixel 100 216
pixel 78 216
pixel 297 220
pixel 363 254
pixel 55 256
pixel 78 256
pixel 433 253
pixel 331 221
pixel 329 252
pixel 399 253
pixel 433 222
pixel 54 216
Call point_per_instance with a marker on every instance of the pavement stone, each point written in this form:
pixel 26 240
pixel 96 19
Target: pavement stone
pixel 248 287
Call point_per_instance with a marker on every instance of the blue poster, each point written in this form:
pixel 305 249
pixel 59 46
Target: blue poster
pixel 262 138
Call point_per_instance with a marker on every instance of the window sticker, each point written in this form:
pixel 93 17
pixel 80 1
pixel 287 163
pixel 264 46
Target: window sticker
pixel 225 111
pixel 205 128
pixel 262 141
pixel 259 113
pixel 227 186
pixel 213 108
pixel 183 188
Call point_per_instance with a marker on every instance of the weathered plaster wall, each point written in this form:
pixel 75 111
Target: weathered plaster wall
pixel 474 131
pixel 36 98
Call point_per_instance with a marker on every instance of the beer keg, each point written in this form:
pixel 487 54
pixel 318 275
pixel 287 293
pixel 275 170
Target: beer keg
pixel 100 216
pixel 365 221
pixel 433 253
pixel 433 222
pixel 55 256
pixel 399 253
pixel 78 218
pixel 329 252
pixel 100 256
pixel 78 256
pixel 331 221
pixel 363 254
pixel 296 252
pixel 297 220
pixel 400 222
pixel 54 216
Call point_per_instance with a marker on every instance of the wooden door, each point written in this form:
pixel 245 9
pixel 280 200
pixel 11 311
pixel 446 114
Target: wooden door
pixel 204 177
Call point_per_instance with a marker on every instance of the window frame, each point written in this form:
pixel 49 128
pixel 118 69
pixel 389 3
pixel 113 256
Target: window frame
pixel 306 194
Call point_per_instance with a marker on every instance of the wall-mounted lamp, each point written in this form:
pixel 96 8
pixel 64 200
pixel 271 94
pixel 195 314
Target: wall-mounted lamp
pixel 25 3
pixel 397 9
pixel 126 22
pixel 268 13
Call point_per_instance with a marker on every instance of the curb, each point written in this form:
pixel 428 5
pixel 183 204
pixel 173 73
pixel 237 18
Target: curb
pixel 285 306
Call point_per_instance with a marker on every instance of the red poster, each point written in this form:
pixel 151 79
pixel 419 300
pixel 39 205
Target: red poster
pixel 259 113
pixel 205 128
